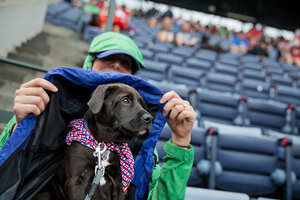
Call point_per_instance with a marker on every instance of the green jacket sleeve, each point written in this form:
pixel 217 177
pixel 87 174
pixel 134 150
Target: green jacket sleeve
pixel 5 133
pixel 169 181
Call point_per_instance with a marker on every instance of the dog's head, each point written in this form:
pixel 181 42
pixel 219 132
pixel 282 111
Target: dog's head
pixel 117 113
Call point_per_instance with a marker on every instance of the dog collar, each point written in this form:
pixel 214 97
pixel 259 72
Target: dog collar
pixel 78 131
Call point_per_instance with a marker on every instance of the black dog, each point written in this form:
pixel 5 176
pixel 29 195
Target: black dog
pixel 116 114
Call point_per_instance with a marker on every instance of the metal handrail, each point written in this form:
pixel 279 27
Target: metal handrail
pixel 4 114
pixel 23 64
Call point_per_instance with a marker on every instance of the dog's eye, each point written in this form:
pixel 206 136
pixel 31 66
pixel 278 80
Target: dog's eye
pixel 125 100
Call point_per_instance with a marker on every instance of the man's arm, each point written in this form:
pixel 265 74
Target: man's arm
pixel 170 180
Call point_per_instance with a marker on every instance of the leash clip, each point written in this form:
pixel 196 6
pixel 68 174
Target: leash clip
pixel 99 152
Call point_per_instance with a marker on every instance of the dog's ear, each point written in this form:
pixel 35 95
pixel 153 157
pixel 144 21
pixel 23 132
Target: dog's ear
pixel 96 102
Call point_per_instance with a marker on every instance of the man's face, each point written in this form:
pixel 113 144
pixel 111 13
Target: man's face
pixel 114 63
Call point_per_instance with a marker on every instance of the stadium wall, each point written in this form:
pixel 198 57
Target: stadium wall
pixel 20 20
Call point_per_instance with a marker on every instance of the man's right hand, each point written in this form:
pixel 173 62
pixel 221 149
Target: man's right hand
pixel 32 98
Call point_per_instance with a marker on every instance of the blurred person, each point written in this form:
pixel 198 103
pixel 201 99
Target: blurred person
pixel 168 13
pixel 223 32
pixel 91 8
pixel 255 32
pixel 260 48
pixel 166 34
pixel 152 16
pixel 185 36
pixel 239 43
pixel 114 52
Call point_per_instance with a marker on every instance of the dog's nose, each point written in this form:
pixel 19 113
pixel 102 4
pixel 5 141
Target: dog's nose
pixel 147 117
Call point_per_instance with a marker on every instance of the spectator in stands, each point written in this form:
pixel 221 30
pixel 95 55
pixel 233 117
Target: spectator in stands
pixel 92 8
pixel 185 36
pixel 168 13
pixel 259 48
pixel 239 43
pixel 94 20
pixel 223 32
pixel 166 34
pixel 32 98
pixel 152 17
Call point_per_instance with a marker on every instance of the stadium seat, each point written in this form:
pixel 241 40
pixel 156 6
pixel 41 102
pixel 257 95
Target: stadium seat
pixel 169 58
pixel 280 80
pixel 197 64
pixel 182 90
pixel 249 58
pixel 205 54
pixel 270 63
pixel 295 164
pixel 183 51
pixel 266 114
pixel 193 193
pixel 146 40
pixel 297 113
pixel 180 75
pixel 154 70
pixel 217 107
pixel 54 10
pixel 226 69
pixel 274 71
pixel 147 54
pixel 220 82
pixel 252 66
pixel 198 141
pixel 159 47
pixel 90 32
pixel 289 95
pixel 254 75
pixel 70 18
pixel 242 158
pixel 228 58
pixel 254 88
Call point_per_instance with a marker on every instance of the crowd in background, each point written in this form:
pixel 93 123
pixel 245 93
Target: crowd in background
pixel 186 32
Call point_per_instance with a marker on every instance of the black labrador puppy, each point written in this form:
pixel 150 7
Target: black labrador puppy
pixel 116 113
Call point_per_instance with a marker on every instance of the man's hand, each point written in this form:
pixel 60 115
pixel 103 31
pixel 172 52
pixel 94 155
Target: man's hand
pixel 181 119
pixel 32 98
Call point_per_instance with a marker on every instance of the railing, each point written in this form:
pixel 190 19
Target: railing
pixel 5 115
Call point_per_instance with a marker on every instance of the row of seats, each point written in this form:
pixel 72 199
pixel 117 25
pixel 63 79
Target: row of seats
pixel 233 109
pixel 251 164
pixel 63 14
pixel 248 84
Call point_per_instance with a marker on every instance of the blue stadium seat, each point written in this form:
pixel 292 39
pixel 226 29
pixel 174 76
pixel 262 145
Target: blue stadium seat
pixel 54 10
pixel 266 114
pixel 154 70
pixel 297 112
pixel 206 54
pixel 147 54
pixel 70 19
pixel 242 158
pixel 274 71
pixel 169 58
pixel 228 58
pixel 182 90
pixel 254 75
pixel 197 64
pixel 216 106
pixel 90 32
pixel 255 88
pixel 183 51
pixel 280 80
pixel 295 151
pixel 289 95
pixel 159 47
pixel 193 193
pixel 252 66
pixel 226 69
pixel 249 58
pixel 198 141
pixel 220 82
pixel 181 75
pixel 270 63
pixel 146 40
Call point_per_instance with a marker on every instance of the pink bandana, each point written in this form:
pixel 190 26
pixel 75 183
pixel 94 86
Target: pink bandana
pixel 78 132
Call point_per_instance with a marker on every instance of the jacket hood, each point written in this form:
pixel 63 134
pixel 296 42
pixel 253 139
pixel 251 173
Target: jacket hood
pixel 112 41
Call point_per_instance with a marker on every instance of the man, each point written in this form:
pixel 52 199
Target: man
pixel 114 52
